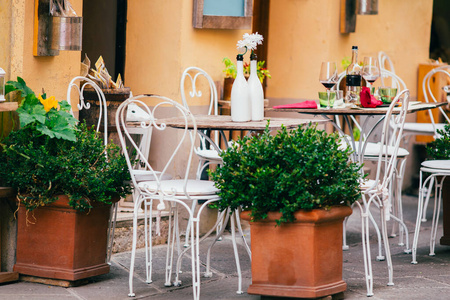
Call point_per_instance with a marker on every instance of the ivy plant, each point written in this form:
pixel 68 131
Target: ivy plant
pixel 286 172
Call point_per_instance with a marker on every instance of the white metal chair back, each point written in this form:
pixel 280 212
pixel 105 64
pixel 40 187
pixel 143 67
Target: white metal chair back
pixel 191 81
pixel 78 84
pixel 183 135
pixel 428 94
pixel 385 64
pixel 391 137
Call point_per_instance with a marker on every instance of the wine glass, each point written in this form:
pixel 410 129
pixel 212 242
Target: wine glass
pixel 370 71
pixel 328 77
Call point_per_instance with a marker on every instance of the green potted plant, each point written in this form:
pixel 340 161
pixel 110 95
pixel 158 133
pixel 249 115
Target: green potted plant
pixel 230 74
pixel 66 180
pixel 296 187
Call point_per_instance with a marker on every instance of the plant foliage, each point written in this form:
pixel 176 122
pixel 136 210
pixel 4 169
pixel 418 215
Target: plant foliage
pixel 440 147
pixel 286 172
pixel 51 155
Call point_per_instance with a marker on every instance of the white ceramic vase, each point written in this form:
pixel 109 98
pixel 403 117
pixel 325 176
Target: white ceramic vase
pixel 240 103
pixel 255 91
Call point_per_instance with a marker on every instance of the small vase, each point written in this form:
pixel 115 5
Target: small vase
pixel 255 90
pixel 240 102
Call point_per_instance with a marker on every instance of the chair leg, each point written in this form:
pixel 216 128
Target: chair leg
pixel 188 228
pixel 427 199
pixel 195 249
pixel 133 249
pixel 419 216
pixel 366 250
pixel 386 246
pixel 246 245
pixel 236 254
pixel 111 230
pixel 380 256
pixel 436 210
pixel 344 235
pixel 225 216
pixel 170 244
pixel 148 240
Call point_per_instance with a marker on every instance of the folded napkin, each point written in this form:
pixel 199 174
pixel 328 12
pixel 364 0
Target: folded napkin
pixel 368 100
pixel 304 104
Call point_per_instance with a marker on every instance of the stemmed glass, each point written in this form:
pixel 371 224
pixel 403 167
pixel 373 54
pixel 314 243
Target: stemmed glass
pixel 370 71
pixel 328 77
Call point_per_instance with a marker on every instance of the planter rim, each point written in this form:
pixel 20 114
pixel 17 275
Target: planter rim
pixel 319 215
pixel 63 202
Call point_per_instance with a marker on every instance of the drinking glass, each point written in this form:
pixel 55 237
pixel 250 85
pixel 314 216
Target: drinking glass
pixel 370 71
pixel 328 77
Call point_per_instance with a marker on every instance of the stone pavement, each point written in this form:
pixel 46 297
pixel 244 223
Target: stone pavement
pixel 429 279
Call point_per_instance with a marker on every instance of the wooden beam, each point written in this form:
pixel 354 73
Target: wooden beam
pixel 8 106
pixel 348 16
pixel 8 276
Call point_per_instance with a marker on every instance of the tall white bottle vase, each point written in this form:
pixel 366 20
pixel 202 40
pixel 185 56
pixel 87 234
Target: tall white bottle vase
pixel 255 91
pixel 240 103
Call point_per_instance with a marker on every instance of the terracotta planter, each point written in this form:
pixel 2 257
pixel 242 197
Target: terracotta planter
pixel 302 259
pixel 62 243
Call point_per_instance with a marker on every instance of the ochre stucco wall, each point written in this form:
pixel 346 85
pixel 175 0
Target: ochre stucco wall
pixel 161 43
pixel 16 56
pixel 304 33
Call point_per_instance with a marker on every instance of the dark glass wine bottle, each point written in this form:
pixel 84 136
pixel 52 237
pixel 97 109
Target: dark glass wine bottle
pixel 353 79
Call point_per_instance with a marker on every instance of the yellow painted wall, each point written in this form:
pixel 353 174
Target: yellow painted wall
pixel 161 43
pixel 304 33
pixel 16 56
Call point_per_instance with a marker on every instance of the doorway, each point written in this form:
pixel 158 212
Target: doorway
pixel 104 33
pixel 440 31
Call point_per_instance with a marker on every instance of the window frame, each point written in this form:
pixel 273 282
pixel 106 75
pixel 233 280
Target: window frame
pixel 199 20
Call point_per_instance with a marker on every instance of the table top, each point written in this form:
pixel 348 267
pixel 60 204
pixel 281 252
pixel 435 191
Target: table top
pixel 224 123
pixel 414 106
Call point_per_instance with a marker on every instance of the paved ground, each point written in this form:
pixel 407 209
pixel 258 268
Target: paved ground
pixel 429 279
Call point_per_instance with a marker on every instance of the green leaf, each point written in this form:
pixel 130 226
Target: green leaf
pixel 19 85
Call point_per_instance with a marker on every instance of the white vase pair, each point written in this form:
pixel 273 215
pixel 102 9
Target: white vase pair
pixel 247 98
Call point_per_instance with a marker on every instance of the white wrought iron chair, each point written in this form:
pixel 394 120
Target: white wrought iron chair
pixel 173 192
pixel 377 191
pixel 385 64
pixel 370 152
pixel 78 84
pixel 430 129
pixel 190 85
pixel 193 80
pixel 437 169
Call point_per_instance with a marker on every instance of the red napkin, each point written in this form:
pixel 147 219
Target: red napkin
pixel 368 100
pixel 304 104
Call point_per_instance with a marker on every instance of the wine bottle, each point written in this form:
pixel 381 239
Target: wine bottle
pixel 255 91
pixel 240 103
pixel 353 79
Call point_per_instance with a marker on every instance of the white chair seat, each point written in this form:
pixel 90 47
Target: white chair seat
pixel 146 175
pixel 367 184
pixel 443 165
pixel 193 187
pixel 373 149
pixel 208 154
pixel 423 127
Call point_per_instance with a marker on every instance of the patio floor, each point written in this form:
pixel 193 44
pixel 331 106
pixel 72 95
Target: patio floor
pixel 429 279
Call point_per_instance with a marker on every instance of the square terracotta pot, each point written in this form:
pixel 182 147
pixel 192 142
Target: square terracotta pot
pixel 62 243
pixel 301 259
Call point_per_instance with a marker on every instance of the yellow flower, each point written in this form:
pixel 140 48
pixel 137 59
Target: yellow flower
pixel 49 103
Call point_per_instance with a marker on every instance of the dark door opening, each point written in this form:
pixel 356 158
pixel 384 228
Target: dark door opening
pixel 440 31
pixel 104 33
